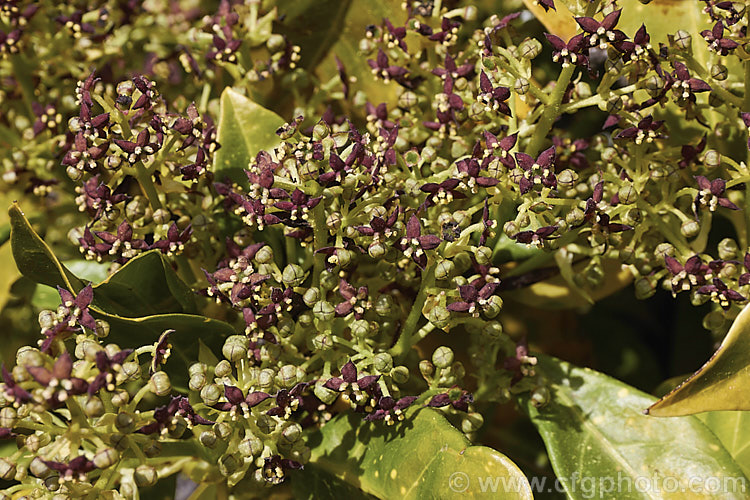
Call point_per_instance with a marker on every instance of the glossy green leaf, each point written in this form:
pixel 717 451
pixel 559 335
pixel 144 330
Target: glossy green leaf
pixel 723 383
pixel 595 431
pixel 421 457
pixel 245 128
pixel 361 13
pixel 88 270
pixel 145 278
pixel 145 285
pixel 34 258
pixel 733 429
pixel 313 25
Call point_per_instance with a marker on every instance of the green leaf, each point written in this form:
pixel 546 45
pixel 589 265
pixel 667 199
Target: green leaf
pixel 733 430
pixel 594 430
pixel 350 31
pixel 245 128
pixel 723 383
pixel 422 457
pixel 34 258
pixel 144 286
pixel 89 270
pixel 313 25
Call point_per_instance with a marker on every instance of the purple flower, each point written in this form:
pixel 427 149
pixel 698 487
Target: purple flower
pixel 716 40
pixel 275 467
pixel 136 151
pixel 13 391
pixel 57 382
pixel 355 300
pixel 692 274
pixel 107 366
pixel 535 238
pixel 381 68
pixel 602 33
pixel 442 193
pixel 359 389
pixel 288 401
pixel 82 156
pixel 452 70
pixel 393 36
pixel 720 294
pixel 175 241
pixel 493 97
pixel 639 46
pixel 570 52
pixel 390 410
pixel 76 312
pixel 162 350
pixel 164 416
pixel 474 297
pixel 414 243
pixel 76 469
pixel 710 195
pixel 458 399
pixel 539 171
pixel 224 48
pixel 237 401
pixel 684 85
pixel 448 33
pixel 644 131
pixel 97 198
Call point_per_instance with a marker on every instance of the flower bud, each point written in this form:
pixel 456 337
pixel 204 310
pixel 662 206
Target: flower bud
pixel 119 441
pixel 614 105
pixel 105 458
pixel 266 424
pixel 120 398
pixel 177 427
pixel 250 447
pixel 8 417
pixel 442 357
pixel 540 397
pixel 130 371
pixel 682 39
pixel 483 256
pixel 264 255
pixel 321 130
pixel 266 378
pixel 195 368
pixel 38 468
pixel 492 329
pixel 322 342
pixel 291 433
pixel 47 319
pixel 152 448
pixel 521 86
pixel 530 48
pixel 211 393
pixel 444 269
pixel 719 72
pixel 575 217
pixel 207 439
pixel 286 376
pixel 384 305
pixel 235 349
pixel 690 228
pixel 426 368
pixel 645 287
pixel 360 329
pixel 627 194
pixel 293 275
pixel 728 249
pixel 712 158
pixel 7 469
pixel 228 464
pixel 714 321
pixel 160 383
pixel 382 362
pixel 93 407
pixel 197 382
pixel 311 296
pixel 324 311
pixel 400 374
pixel 124 422
pixel 439 316
pixel 145 476
pixel 35 441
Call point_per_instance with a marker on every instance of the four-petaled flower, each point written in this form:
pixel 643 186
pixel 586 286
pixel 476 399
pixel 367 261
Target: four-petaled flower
pixel 457 398
pixel 75 311
pixel 535 238
pixel 236 401
pixel 644 131
pixel 539 171
pixel 716 40
pixel 474 299
pixel 601 32
pixel 414 243
pixel 692 274
pixel 721 294
pixel 355 300
pixel 76 469
pixel 710 195
pixel 360 388
pixel 108 367
pixel 58 384
pixel 381 67
pixel 568 53
pixel 493 98
pixel 390 410
pixel 165 416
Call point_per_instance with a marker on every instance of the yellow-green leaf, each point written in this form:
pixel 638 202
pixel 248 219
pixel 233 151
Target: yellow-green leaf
pixel 723 383
pixel 421 457
pixel 245 128
pixel 594 430
pixel 733 429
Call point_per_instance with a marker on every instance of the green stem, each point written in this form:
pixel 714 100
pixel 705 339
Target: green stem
pixel 746 97
pixel 320 240
pixel 551 111
pixel 147 185
pixel 404 342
